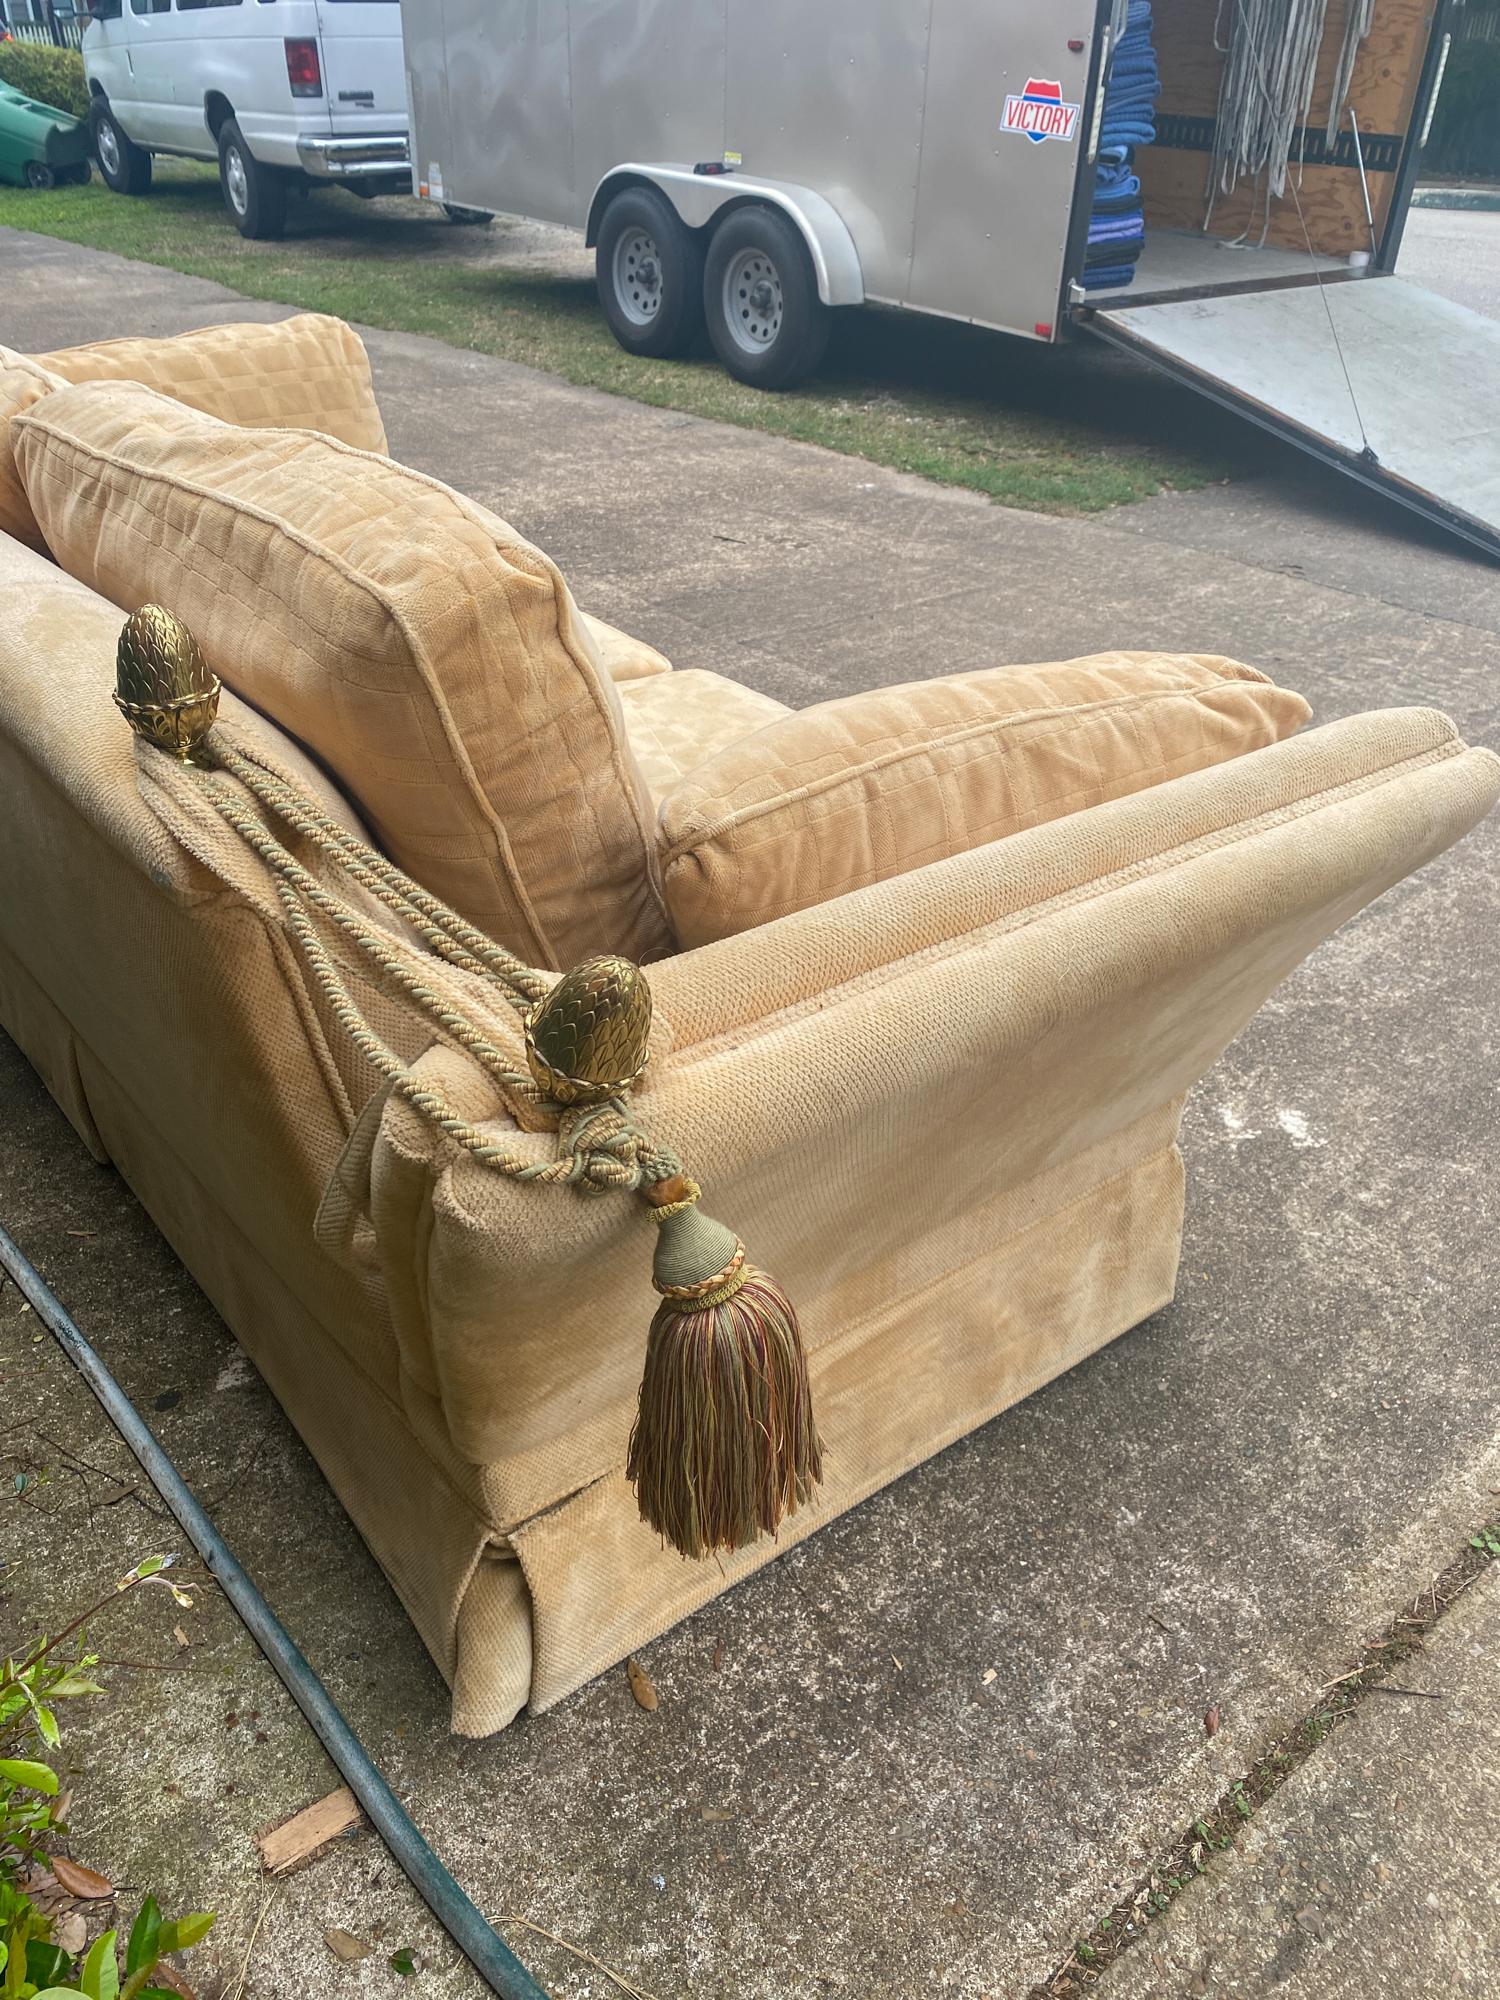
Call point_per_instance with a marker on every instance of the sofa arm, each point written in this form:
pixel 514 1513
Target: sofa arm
pixel 859 1085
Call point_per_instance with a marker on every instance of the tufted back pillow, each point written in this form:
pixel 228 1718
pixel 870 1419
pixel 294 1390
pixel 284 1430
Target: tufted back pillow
pixel 857 791
pixel 22 383
pixel 309 372
pixel 432 659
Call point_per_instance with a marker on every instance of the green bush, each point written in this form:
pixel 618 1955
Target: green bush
pixel 1465 136
pixel 51 76
pixel 32 1966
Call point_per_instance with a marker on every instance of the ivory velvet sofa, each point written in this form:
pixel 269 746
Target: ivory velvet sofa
pixel 933 970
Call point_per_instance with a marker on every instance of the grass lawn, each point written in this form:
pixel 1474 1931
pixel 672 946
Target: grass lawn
pixel 1062 430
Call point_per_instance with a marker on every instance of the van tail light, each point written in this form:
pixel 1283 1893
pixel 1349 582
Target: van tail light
pixel 303 71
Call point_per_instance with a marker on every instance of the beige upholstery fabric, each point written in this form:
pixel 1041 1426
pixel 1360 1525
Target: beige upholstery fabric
pixel 623 658
pixel 942 1109
pixel 22 383
pixel 431 658
pixel 678 721
pixel 309 372
pixel 857 791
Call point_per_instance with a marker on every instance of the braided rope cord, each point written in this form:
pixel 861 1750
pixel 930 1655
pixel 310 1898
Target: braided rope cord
pixel 444 929
pixel 599 1146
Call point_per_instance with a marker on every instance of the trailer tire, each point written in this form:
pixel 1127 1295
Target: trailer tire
pixel 468 218
pixel 760 298
pixel 124 166
pixel 254 193
pixel 648 266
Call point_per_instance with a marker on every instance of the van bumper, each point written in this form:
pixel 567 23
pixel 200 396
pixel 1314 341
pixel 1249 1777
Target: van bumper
pixel 353 158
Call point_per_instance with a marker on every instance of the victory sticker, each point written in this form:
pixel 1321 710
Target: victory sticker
pixel 1040 113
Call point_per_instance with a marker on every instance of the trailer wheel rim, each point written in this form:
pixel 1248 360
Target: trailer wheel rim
pixel 752 300
pixel 636 272
pixel 109 147
pixel 236 179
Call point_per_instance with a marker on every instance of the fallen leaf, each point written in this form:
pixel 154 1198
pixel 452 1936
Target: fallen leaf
pixel 712 1812
pixel 1212 1717
pixel 179 1635
pixel 640 1684
pixel 718 1654
pixel 70 1933
pixel 165 1975
pixel 404 1962
pixel 344 1945
pixel 84 1883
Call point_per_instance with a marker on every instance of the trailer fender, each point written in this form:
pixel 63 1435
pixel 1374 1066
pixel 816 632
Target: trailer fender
pixel 700 198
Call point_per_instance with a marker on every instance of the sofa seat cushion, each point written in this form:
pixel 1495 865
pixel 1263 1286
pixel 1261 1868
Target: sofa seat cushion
pixel 22 383
pixel 677 721
pixel 309 372
pixel 432 659
pixel 850 792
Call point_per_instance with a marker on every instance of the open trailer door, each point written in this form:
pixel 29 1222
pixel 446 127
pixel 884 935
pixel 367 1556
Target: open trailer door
pixel 1392 384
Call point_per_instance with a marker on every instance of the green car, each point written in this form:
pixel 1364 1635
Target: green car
pixel 40 146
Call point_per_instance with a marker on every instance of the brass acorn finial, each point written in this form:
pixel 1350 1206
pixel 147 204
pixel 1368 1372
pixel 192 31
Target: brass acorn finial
pixel 586 1040
pixel 163 687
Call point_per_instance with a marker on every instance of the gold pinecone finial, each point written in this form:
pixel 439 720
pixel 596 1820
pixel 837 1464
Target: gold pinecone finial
pixel 586 1041
pixel 163 686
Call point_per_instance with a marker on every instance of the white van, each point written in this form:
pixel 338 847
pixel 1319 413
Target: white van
pixel 276 90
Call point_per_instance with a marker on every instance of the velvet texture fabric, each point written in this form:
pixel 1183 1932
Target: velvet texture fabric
pixel 860 790
pixel 1004 1036
pixel 309 372
pixel 433 660
pixel 935 1082
pixel 22 383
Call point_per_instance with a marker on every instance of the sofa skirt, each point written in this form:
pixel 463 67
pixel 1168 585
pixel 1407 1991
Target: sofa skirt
pixel 520 1619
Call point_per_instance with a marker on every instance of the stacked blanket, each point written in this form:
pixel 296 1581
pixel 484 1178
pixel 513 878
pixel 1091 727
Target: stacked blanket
pixel 1117 226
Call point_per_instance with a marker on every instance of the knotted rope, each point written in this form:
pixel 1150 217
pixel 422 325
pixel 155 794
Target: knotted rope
pixel 724 1444
pixel 600 1147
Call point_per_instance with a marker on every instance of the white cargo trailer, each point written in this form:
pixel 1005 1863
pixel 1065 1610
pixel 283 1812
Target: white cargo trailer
pixel 759 164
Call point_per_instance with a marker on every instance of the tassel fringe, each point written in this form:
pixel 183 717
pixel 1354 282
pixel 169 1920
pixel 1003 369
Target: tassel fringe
pixel 725 1444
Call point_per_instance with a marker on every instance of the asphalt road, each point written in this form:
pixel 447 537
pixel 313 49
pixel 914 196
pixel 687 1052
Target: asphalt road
pixel 1455 252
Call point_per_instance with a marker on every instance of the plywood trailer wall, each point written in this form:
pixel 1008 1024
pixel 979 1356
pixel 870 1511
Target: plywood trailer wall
pixel 1174 172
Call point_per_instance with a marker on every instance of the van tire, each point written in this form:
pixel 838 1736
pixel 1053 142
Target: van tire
pixel 648 267
pixel 254 194
pixel 125 167
pixel 760 299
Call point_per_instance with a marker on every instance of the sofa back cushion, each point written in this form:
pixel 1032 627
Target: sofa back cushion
pixel 309 372
pixel 22 383
pixel 432 659
pixel 857 791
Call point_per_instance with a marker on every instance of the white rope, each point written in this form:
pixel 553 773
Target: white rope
pixel 1271 53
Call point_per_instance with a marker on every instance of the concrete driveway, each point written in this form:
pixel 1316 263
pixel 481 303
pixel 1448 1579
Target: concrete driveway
pixel 929 1748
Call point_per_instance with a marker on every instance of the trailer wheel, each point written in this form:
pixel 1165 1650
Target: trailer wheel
pixel 468 218
pixel 254 194
pixel 125 166
pixel 765 319
pixel 649 270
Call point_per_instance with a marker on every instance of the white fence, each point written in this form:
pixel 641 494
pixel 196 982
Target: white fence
pixel 63 31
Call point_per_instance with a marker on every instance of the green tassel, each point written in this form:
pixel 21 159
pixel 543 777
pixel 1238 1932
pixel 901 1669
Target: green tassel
pixel 725 1444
